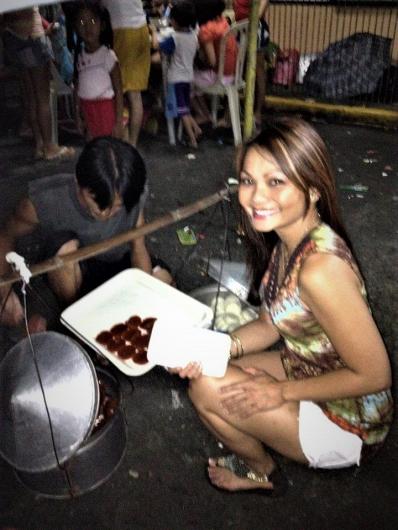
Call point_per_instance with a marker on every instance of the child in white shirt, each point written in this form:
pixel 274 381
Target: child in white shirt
pixel 99 87
pixel 181 46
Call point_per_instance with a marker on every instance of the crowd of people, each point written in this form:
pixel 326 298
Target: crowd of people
pixel 323 398
pixel 107 49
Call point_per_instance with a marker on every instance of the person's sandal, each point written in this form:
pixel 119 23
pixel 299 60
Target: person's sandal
pixel 63 153
pixel 242 470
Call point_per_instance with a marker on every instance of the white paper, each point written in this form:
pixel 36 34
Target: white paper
pixel 175 345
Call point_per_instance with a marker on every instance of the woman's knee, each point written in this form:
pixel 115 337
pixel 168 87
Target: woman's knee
pixel 202 391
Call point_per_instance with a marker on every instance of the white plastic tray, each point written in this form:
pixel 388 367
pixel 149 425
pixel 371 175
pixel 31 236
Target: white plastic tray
pixel 131 292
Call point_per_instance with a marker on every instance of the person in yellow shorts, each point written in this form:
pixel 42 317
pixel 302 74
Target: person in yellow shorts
pixel 132 47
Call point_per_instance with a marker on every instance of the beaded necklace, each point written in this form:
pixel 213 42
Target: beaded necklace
pixel 280 268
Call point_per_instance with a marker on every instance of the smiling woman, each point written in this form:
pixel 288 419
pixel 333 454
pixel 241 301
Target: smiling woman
pixel 333 372
pixel 272 202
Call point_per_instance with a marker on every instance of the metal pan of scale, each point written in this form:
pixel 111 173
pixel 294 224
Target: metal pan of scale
pixel 61 422
pixel 96 459
pixel 36 431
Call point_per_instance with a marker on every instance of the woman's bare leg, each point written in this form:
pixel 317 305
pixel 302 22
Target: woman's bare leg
pixel 277 428
pixel 30 105
pixel 136 110
pixel 195 127
pixel 41 77
pixel 188 129
pixel 187 121
pixel 201 110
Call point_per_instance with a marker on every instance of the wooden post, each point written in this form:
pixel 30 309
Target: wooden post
pixel 81 254
pixel 251 71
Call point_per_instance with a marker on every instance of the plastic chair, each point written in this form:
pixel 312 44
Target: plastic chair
pixel 240 31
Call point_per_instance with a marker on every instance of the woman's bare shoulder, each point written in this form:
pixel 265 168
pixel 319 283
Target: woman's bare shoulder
pixel 325 275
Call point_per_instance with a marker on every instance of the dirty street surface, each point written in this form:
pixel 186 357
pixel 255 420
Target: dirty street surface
pixel 161 482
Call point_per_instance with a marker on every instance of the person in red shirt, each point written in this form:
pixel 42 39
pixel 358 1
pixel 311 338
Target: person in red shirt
pixel 212 26
pixel 242 11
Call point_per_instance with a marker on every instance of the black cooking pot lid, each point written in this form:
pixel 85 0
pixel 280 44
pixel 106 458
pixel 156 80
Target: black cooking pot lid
pixel 27 437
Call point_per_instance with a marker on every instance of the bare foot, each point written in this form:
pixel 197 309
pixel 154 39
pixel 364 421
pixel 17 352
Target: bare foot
pixel 227 480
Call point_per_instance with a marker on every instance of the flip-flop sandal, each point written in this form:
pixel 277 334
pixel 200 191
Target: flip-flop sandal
pixel 64 153
pixel 242 470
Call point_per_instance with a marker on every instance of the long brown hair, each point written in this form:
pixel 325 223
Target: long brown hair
pixel 303 157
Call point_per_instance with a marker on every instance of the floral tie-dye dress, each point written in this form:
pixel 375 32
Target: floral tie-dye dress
pixel 307 350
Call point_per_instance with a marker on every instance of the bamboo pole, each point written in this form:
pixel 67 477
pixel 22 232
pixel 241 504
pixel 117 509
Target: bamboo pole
pixel 251 70
pixel 57 262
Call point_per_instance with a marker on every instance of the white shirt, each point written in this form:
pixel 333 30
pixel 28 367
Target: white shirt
pixel 180 69
pixel 125 13
pixel 94 74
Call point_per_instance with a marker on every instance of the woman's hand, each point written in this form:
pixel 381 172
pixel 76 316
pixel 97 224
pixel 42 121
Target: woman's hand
pixel 258 393
pixel 190 371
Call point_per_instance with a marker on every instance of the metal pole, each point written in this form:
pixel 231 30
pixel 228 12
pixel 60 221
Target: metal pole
pixel 251 70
